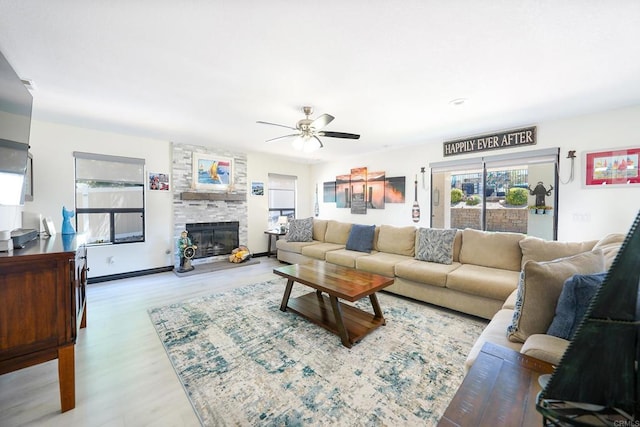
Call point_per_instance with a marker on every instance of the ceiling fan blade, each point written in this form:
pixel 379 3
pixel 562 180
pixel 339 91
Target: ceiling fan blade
pixel 282 137
pixel 318 139
pixel 275 124
pixel 322 121
pixel 339 135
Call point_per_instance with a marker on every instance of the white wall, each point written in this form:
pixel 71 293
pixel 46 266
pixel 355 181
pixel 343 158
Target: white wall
pixel 583 213
pixel 52 146
pixel 259 165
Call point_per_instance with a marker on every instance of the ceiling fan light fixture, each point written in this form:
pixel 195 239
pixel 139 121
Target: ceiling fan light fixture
pixel 305 144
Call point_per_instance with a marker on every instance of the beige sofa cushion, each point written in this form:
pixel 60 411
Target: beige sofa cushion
pixel 537 249
pixel 491 249
pixel 397 240
pixel 610 245
pixel 319 229
pixel 429 273
pixel 545 347
pixel 295 247
pixel 344 257
pixel 539 289
pixel 337 232
pixel 381 263
pixel 484 281
pixel 320 250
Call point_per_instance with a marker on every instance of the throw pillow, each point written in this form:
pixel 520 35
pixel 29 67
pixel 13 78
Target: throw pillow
pixel 300 230
pixel 540 287
pixel 435 245
pixel 361 238
pixel 573 303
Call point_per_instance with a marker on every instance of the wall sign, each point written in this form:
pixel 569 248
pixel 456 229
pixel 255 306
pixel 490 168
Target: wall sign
pixel 512 138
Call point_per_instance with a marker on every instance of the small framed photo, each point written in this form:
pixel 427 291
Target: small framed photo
pixel 212 172
pixel 612 167
pixel 158 181
pixel 257 188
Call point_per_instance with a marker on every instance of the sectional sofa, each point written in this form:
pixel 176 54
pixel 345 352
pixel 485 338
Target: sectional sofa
pixel 471 271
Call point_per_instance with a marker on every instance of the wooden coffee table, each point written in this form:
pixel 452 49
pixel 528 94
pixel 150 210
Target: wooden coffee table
pixel 500 389
pixel 348 322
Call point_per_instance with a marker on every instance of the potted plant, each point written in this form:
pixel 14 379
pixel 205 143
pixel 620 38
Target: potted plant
pixel 548 210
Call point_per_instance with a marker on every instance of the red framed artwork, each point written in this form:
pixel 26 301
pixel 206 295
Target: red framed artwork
pixel 613 167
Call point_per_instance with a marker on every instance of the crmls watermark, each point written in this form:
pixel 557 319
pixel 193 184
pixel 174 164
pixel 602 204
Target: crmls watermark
pixel 627 423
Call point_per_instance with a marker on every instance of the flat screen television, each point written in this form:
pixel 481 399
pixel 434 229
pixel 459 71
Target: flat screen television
pixel 15 125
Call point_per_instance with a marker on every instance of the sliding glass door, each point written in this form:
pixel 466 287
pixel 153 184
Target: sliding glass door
pixel 515 192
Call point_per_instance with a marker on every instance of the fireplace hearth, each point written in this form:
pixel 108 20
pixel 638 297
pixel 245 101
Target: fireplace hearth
pixel 213 238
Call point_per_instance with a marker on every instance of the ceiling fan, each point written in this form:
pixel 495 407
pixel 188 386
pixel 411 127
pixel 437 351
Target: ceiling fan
pixel 309 130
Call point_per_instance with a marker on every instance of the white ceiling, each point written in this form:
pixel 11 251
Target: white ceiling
pixel 203 71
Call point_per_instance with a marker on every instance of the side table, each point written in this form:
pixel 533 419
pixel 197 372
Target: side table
pixel 270 235
pixel 500 389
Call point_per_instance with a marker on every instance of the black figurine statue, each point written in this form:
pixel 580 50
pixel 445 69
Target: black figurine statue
pixel 540 192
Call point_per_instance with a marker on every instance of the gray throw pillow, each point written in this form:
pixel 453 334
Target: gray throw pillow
pixel 361 238
pixel 435 245
pixel 300 230
pixel 573 303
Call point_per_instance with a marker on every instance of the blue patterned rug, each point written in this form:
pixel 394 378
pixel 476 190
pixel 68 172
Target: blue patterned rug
pixel 244 362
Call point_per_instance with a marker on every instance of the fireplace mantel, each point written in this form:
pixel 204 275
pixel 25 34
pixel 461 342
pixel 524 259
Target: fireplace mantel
pixel 227 197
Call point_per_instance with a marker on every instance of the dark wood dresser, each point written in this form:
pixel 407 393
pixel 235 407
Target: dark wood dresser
pixel 43 303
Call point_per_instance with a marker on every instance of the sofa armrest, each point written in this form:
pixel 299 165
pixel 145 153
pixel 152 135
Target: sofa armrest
pixel 510 302
pixel 545 347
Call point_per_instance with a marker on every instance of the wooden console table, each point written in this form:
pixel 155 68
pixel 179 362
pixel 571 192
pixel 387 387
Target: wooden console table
pixel 43 294
pixel 500 389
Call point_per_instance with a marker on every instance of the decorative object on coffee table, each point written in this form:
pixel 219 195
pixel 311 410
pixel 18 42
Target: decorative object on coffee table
pixel 596 382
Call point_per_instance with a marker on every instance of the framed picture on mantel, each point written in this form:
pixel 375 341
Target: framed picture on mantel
pixel 212 172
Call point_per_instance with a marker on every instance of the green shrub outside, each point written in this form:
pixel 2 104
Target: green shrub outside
pixel 517 196
pixel 472 201
pixel 456 195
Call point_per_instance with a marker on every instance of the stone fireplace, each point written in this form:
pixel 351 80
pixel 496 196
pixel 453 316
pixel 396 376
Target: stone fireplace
pixel 198 208
pixel 213 238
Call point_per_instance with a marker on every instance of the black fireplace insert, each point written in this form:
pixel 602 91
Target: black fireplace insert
pixel 214 238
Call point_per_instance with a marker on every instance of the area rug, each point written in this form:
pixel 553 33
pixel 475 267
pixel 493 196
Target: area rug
pixel 242 361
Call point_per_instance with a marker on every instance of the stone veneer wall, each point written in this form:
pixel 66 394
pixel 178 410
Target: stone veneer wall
pixel 193 211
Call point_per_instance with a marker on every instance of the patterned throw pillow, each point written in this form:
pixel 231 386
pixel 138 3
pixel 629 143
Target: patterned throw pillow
pixel 300 230
pixel 435 245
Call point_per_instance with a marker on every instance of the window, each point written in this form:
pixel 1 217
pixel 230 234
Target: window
pixel 282 198
pixel 494 193
pixel 109 198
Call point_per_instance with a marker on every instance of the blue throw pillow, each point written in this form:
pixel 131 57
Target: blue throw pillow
pixel 361 238
pixel 573 303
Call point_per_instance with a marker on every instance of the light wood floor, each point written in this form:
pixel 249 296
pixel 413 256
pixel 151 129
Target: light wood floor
pixel 123 375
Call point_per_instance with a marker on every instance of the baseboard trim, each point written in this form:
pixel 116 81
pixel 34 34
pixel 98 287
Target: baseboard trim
pixel 129 274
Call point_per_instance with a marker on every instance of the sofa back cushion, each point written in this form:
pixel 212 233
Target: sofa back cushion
pixel 537 249
pixel 491 249
pixel 337 232
pixel 397 240
pixel 319 229
pixel 610 245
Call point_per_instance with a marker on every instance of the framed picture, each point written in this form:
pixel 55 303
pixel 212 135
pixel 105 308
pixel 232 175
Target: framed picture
pixel 613 167
pixel 158 181
pixel 212 172
pixel 257 188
